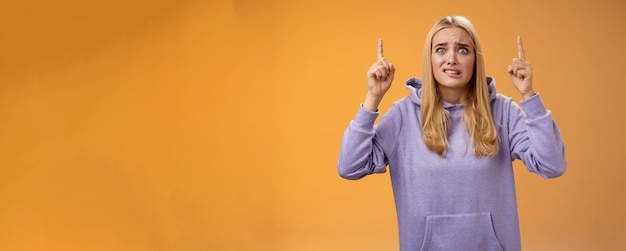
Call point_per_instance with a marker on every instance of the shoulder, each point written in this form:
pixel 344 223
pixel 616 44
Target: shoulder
pixel 402 101
pixel 401 108
pixel 504 107
pixel 403 105
pixel 502 100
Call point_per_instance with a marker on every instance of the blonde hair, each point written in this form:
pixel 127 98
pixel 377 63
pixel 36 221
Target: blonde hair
pixel 477 112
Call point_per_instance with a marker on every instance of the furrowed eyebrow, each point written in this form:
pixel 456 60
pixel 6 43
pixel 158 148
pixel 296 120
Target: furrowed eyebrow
pixel 446 43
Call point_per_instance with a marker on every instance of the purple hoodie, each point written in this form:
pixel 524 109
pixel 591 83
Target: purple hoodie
pixel 458 202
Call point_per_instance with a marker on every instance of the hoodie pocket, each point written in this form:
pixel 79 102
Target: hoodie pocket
pixel 460 232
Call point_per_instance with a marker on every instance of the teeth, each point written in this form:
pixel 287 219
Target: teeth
pixel 452 72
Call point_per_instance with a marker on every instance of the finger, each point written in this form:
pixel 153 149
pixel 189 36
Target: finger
pixel 371 73
pixel 523 73
pixel 520 48
pixel 512 68
pixel 380 48
pixel 517 68
pixel 385 65
pixel 520 64
pixel 383 73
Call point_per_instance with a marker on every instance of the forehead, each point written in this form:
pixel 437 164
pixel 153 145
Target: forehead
pixel 452 35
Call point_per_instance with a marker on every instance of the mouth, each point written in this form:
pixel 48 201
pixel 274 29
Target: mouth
pixel 452 73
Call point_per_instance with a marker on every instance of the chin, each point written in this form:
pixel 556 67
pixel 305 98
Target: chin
pixel 452 84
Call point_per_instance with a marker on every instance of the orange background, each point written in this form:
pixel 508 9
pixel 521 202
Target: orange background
pixel 215 125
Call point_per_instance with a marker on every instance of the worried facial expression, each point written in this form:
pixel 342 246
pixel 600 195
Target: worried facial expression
pixel 452 58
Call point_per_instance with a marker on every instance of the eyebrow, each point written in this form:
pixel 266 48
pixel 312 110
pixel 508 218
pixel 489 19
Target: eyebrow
pixel 446 43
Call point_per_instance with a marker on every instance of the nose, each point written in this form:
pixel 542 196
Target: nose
pixel 451 59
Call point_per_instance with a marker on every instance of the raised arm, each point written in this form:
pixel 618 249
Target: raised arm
pixel 535 137
pixel 362 152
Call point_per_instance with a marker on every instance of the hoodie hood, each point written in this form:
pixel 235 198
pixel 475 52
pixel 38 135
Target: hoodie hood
pixel 415 87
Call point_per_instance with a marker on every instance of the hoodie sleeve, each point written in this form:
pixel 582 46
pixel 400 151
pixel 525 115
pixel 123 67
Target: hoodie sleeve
pixel 365 146
pixel 535 138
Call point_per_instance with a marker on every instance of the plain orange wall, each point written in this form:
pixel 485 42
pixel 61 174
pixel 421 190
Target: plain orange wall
pixel 215 125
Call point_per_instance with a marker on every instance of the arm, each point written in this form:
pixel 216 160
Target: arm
pixel 365 146
pixel 361 154
pixel 534 136
pixel 536 139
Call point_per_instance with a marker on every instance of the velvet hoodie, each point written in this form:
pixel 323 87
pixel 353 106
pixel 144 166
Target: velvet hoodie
pixel 457 202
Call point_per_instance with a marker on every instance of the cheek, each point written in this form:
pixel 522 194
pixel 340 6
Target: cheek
pixel 436 62
pixel 469 65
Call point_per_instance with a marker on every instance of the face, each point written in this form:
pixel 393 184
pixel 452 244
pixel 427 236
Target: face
pixel 452 59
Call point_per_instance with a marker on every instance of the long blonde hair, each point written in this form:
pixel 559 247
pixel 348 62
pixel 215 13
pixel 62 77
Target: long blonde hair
pixel 477 112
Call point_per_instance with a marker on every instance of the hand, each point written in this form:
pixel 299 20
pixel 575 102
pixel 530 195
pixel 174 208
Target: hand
pixel 380 75
pixel 521 72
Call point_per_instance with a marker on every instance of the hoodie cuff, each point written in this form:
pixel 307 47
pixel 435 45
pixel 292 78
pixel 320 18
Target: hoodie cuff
pixel 533 107
pixel 365 119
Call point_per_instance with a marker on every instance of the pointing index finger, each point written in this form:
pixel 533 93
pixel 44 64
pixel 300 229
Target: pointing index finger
pixel 520 48
pixel 380 48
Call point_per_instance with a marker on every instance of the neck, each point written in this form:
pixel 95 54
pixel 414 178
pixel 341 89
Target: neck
pixel 453 95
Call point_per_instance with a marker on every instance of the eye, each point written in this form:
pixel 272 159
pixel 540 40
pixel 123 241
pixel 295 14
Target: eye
pixel 463 50
pixel 440 50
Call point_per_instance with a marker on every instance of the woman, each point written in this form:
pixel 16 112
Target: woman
pixel 450 144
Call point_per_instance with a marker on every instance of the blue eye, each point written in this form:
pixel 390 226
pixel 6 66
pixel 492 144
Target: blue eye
pixel 463 50
pixel 440 50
